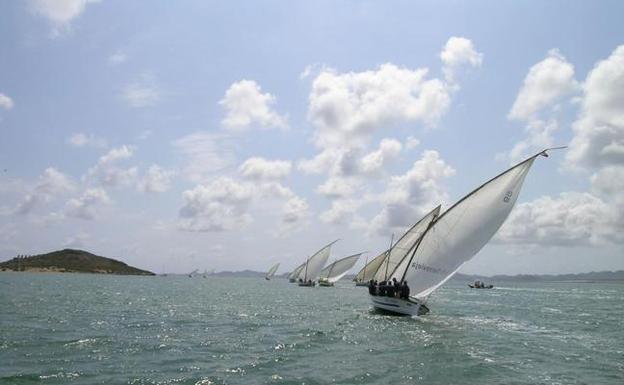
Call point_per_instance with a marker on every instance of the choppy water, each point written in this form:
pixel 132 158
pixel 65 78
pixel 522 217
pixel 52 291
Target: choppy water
pixel 89 329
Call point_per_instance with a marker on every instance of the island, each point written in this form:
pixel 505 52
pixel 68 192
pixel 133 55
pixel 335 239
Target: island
pixel 70 261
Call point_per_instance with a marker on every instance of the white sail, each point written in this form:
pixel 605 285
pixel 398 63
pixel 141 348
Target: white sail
pixel 333 272
pixel 295 273
pixel 368 271
pixel 401 248
pixel 272 271
pixel 315 263
pixel 459 233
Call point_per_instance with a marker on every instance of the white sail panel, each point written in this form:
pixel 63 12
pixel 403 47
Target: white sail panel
pixel 399 251
pixel 295 273
pixel 459 233
pixel 368 271
pixel 315 263
pixel 338 269
pixel 272 270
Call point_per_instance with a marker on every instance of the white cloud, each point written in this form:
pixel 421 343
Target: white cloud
pixel 51 183
pixel 347 108
pixel 6 102
pixel 458 52
pixel 340 211
pixel 262 169
pixel 374 162
pixel 338 187
pixel 410 195
pixel 599 132
pixel 568 220
pixel 143 92
pixel 109 174
pixel 246 106
pixel 156 180
pixel 411 143
pixel 294 210
pixel 218 206
pixel 206 153
pixel 117 58
pixel 85 207
pixel 83 140
pixel 60 12
pixel 547 83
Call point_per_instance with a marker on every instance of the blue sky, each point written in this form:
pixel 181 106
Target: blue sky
pixel 233 135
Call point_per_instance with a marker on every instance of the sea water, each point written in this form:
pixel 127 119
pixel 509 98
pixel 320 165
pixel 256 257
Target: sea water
pixel 104 329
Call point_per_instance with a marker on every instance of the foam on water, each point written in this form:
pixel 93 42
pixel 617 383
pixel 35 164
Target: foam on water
pixel 83 329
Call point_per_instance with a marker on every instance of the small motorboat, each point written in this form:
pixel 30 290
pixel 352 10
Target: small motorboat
pixel 480 285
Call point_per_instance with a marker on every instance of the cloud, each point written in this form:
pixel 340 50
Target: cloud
pixel 85 207
pixel 109 174
pixel 294 210
pixel 51 183
pixel 457 53
pixel 411 143
pixel 347 108
pixel 83 140
pixel 117 58
pixel 340 211
pixel 338 187
pixel 262 169
pixel 571 219
pixel 143 92
pixel 245 106
pixel 547 83
pixel 6 102
pixel 206 153
pixel 79 240
pixel 374 162
pixel 412 194
pixel 599 131
pixel 156 180
pixel 60 12
pixel 218 206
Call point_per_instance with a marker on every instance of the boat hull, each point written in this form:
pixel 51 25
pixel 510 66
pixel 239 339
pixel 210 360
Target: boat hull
pixel 398 306
pixel 307 284
pixel 326 284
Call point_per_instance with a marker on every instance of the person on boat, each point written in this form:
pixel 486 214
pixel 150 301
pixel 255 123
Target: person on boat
pixel 390 289
pixel 375 288
pixel 371 287
pixel 405 290
pixel 382 288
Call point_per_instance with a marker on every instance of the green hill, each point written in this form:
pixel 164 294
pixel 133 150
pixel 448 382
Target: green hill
pixel 71 261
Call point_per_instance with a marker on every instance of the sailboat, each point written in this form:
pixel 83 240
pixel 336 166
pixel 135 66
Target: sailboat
pixel 313 266
pixel 334 271
pixel 370 268
pixel 294 275
pixel 272 271
pixel 192 273
pixel 453 238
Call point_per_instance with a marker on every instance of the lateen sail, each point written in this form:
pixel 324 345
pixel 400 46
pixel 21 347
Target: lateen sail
pixel 333 272
pixel 368 271
pixel 401 248
pixel 315 263
pixel 295 273
pixel 460 232
pixel 272 271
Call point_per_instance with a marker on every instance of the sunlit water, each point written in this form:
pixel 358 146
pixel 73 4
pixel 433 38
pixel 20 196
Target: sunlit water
pixel 94 329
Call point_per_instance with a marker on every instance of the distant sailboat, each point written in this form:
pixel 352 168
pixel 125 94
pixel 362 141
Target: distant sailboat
pixel 453 238
pixel 313 266
pixel 294 275
pixel 333 272
pixel 272 271
pixel 192 273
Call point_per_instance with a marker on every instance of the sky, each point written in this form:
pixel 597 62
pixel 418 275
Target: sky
pixel 233 135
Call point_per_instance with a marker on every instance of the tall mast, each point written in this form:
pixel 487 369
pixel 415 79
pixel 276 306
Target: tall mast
pixel 388 257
